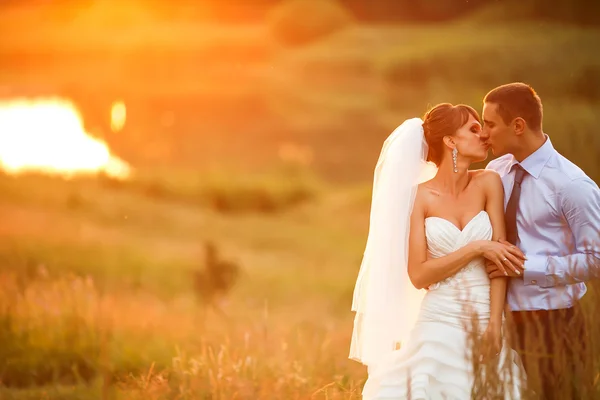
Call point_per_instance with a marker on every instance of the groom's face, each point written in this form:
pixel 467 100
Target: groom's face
pixel 496 134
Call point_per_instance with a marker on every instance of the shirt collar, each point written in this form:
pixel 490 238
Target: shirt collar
pixel 535 163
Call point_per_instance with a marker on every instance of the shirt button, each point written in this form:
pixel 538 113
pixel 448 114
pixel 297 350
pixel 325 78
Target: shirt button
pixel 533 282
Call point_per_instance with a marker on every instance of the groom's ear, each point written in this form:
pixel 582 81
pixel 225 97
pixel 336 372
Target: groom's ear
pixel 519 126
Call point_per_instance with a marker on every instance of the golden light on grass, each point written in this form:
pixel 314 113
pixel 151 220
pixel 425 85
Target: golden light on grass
pixel 118 116
pixel 47 135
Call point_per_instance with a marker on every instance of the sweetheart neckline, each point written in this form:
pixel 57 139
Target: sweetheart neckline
pixel 452 223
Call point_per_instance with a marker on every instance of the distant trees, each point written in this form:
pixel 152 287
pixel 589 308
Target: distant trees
pixel 373 11
pixel 297 22
pixel 391 11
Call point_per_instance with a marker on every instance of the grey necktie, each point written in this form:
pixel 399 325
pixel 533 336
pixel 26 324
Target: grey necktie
pixel 513 204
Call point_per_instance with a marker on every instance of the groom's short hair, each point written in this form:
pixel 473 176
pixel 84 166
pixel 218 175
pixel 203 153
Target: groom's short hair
pixel 517 100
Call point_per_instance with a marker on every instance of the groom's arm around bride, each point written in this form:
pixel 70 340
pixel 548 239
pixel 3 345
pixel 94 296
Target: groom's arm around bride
pixel 580 227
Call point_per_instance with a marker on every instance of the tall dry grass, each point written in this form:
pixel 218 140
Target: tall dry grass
pixel 64 331
pixel 546 340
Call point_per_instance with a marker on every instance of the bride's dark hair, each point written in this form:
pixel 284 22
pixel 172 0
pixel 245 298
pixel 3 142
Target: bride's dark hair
pixel 444 120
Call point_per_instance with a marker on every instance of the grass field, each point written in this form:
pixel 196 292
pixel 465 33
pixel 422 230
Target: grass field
pixel 130 304
pixel 98 298
pixel 270 152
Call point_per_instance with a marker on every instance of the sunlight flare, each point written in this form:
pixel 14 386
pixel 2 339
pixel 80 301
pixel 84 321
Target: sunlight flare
pixel 47 135
pixel 118 116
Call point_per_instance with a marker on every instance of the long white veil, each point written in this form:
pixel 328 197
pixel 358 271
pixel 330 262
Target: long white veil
pixel 385 301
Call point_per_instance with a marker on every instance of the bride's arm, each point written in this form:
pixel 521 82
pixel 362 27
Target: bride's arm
pixel 494 191
pixel 424 272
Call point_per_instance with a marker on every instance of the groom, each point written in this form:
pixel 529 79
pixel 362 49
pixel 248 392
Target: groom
pixel 553 216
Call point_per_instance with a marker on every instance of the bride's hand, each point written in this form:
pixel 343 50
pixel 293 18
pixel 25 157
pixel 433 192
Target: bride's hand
pixel 492 341
pixel 505 256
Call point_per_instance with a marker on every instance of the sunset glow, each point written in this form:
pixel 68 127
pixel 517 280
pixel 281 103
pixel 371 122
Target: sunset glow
pixel 47 135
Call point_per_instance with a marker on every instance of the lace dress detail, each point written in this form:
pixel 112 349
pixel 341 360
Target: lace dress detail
pixel 456 279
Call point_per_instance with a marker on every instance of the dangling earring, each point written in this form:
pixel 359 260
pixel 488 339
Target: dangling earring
pixel 454 156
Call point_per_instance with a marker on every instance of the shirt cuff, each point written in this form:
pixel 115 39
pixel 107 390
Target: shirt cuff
pixel 535 272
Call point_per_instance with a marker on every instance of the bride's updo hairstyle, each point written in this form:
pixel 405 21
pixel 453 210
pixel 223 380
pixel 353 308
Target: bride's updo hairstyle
pixel 444 120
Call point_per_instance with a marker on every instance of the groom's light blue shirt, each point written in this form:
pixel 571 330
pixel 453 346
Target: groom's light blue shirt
pixel 558 225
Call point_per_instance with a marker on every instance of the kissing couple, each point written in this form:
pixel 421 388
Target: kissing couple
pixel 471 280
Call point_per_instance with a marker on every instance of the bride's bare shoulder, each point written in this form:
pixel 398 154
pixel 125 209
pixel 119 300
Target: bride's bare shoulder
pixel 485 175
pixel 425 194
pixel 487 179
pixel 424 189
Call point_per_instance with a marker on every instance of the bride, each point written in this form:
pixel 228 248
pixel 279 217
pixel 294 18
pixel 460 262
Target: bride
pixel 428 320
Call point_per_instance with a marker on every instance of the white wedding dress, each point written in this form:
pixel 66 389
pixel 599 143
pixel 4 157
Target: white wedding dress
pixel 436 363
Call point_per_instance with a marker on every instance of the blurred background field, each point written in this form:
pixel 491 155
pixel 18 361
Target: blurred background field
pixel 252 130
